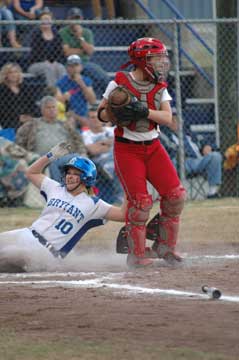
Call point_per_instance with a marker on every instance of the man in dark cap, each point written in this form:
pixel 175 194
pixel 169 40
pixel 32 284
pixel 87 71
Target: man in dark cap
pixel 79 40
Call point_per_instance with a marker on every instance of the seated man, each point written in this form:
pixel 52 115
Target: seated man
pixel 76 89
pixel 79 40
pixel 39 135
pixel 98 140
pixel 199 159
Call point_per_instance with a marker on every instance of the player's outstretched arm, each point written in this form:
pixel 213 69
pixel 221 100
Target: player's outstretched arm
pixel 35 172
pixel 117 213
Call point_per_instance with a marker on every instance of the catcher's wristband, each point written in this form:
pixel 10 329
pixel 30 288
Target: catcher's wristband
pixel 99 115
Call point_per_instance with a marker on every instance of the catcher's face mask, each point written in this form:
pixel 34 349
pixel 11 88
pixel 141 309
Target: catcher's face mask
pixel 157 66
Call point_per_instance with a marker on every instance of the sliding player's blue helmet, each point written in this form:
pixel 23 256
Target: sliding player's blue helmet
pixel 87 168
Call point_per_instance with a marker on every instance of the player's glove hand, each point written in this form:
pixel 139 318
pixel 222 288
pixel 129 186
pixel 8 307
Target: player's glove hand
pixel 134 111
pixel 123 107
pixel 58 151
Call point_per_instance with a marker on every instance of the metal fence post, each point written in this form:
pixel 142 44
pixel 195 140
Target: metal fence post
pixel 176 52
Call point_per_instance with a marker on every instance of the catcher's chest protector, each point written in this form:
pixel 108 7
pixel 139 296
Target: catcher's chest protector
pixel 149 94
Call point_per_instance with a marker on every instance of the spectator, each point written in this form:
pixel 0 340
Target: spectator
pixel 98 140
pixel 199 159
pixel 17 98
pixel 97 9
pixel 14 161
pixel 61 106
pixel 26 9
pixel 39 135
pixel 76 89
pixel 80 41
pixel 6 14
pixel 46 55
pixel 231 157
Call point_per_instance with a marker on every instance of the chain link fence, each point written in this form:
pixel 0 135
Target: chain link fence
pixel 203 82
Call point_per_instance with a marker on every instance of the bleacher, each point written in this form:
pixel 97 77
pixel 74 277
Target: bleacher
pixel 199 117
pixel 111 43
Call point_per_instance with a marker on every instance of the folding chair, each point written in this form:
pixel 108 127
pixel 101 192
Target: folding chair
pixel 197 186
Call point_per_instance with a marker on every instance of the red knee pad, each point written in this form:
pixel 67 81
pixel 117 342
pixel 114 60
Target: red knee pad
pixel 171 207
pixel 137 215
pixel 139 208
pixel 172 203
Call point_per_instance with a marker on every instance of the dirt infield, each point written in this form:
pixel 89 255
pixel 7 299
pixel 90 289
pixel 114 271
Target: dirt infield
pixel 93 307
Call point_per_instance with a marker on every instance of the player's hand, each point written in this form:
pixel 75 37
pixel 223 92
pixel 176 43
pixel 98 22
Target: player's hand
pixel 58 151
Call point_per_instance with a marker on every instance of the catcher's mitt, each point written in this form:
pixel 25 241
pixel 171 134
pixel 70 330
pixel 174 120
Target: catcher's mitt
pixel 152 232
pixel 123 107
pixel 122 242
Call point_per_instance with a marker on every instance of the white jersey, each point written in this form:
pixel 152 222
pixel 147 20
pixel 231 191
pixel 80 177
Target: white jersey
pixel 65 217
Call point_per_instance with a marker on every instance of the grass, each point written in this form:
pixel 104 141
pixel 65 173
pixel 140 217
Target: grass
pixel 20 348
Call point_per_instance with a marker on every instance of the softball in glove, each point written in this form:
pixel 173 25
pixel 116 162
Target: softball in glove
pixel 124 108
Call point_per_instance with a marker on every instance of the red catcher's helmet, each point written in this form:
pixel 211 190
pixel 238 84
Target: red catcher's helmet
pixel 140 53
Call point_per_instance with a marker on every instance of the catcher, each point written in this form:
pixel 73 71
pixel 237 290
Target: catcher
pixel 137 102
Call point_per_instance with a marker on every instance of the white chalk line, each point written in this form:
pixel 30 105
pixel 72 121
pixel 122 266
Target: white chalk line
pixel 216 257
pixel 45 274
pixel 100 283
pixel 103 281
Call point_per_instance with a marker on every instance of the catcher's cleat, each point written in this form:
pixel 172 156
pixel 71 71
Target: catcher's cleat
pixel 166 253
pixel 138 262
pixel 172 258
pixel 150 253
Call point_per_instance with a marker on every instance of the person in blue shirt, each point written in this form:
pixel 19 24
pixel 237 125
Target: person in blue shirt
pixel 26 9
pixel 200 158
pixel 76 89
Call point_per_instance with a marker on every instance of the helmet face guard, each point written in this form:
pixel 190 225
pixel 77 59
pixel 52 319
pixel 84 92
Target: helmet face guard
pixel 87 168
pixel 151 56
pixel 157 67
